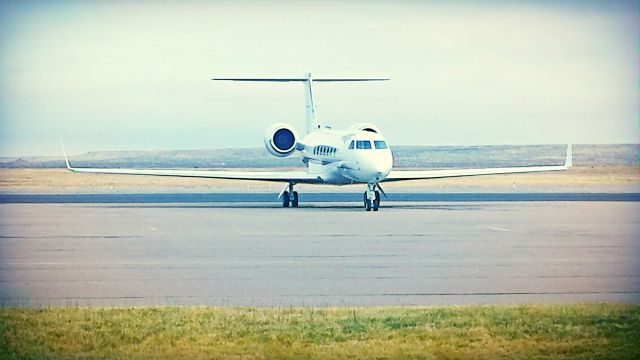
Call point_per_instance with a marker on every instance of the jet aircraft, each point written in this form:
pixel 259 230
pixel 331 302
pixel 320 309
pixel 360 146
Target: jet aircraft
pixel 357 155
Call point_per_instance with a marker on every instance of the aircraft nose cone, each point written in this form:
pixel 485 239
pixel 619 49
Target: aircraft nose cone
pixel 374 168
pixel 382 169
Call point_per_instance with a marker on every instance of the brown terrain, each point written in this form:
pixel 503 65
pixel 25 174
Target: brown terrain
pixel 577 179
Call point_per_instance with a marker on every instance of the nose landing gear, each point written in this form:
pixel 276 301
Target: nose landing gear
pixel 289 197
pixel 371 198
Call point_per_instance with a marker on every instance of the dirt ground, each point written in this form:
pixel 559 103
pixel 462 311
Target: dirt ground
pixel 614 178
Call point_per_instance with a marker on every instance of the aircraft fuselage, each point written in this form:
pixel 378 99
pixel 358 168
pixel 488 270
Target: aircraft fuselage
pixel 342 157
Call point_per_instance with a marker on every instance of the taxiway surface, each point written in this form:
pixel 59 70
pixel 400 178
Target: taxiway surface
pixel 322 254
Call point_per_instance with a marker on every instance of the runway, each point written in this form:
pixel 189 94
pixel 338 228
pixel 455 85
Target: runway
pixel 229 197
pixel 322 254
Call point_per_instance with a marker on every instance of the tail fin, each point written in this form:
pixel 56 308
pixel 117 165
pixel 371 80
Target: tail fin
pixel 308 80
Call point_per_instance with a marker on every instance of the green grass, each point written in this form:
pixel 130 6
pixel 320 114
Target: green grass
pixel 595 331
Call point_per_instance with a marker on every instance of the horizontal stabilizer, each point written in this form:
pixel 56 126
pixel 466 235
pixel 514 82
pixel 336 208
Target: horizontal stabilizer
pixel 254 79
pixel 338 80
pixel 295 79
pixel 308 80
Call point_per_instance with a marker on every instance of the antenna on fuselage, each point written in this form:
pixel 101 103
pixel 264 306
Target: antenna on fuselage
pixel 311 111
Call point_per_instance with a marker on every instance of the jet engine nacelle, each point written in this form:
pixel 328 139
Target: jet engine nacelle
pixel 281 140
pixel 365 127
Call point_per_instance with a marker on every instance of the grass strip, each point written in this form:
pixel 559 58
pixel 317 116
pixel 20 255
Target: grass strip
pixel 589 331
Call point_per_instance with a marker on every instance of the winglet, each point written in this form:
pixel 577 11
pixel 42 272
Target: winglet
pixel 66 159
pixel 568 161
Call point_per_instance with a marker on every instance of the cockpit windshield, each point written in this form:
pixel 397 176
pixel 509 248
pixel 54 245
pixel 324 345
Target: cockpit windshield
pixel 363 144
pixel 380 144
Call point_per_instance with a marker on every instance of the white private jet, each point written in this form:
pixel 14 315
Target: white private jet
pixel 358 155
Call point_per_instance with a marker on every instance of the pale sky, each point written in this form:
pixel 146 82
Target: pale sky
pixel 120 75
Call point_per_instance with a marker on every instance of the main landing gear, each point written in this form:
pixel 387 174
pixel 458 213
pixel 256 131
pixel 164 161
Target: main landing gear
pixel 371 198
pixel 289 197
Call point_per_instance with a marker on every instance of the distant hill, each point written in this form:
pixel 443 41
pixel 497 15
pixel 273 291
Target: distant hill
pixel 404 156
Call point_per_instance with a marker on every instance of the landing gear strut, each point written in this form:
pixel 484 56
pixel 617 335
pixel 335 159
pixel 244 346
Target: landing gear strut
pixel 371 198
pixel 290 197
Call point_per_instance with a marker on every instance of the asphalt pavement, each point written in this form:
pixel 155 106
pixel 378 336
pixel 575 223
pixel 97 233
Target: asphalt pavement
pixel 455 251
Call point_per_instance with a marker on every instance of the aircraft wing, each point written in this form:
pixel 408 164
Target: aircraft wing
pixel 276 176
pixel 399 175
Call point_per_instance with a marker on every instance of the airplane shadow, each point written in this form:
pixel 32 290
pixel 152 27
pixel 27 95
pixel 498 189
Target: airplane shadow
pixel 305 207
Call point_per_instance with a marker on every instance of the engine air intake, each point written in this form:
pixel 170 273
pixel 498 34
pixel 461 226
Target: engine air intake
pixel 284 139
pixel 280 140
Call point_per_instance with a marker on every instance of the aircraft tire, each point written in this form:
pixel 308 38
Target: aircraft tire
pixel 294 202
pixel 376 201
pixel 285 199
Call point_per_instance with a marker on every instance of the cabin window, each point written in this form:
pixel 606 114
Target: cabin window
pixel 324 150
pixel 351 145
pixel 379 144
pixel 363 144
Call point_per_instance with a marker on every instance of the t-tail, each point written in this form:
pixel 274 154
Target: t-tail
pixel 311 111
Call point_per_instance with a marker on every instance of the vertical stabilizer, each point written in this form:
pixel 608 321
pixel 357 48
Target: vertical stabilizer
pixel 311 115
